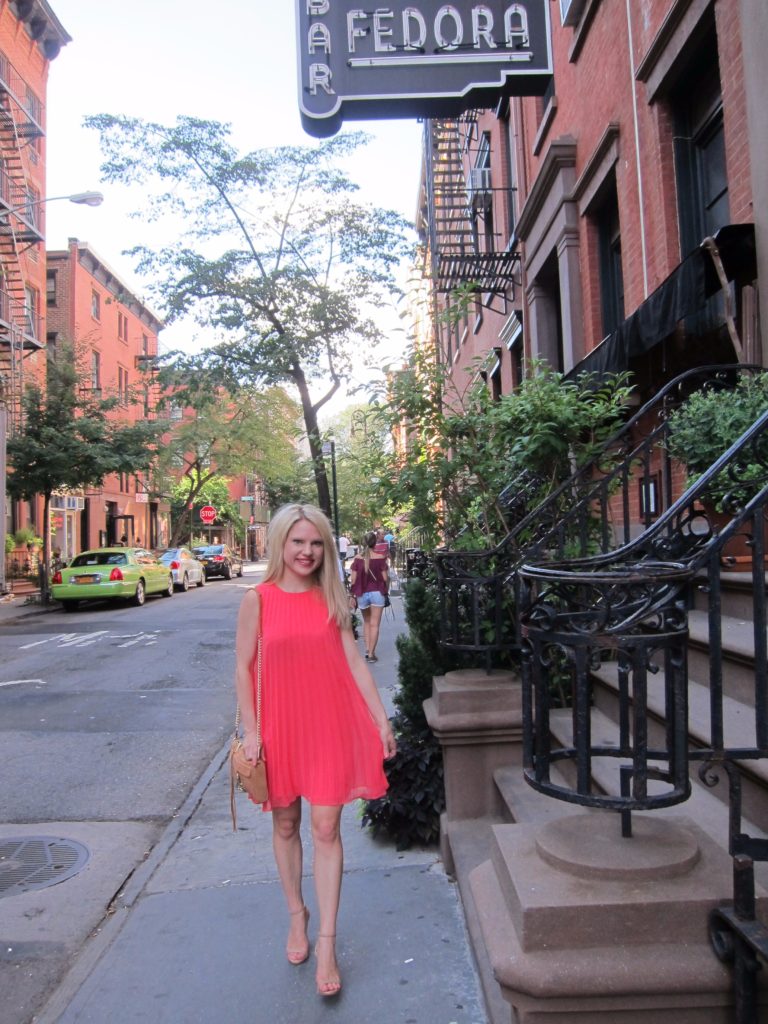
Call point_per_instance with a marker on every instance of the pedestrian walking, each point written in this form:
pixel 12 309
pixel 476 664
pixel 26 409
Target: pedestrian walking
pixel 324 728
pixel 343 547
pixel 381 547
pixel 369 585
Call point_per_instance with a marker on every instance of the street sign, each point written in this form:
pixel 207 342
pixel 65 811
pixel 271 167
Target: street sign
pixel 427 59
pixel 207 514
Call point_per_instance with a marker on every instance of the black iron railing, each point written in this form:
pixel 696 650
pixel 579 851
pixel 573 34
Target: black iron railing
pixel 630 606
pixel 604 503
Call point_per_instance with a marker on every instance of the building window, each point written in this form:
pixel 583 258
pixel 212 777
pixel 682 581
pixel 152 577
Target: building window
pixel 96 370
pixel 95 305
pixel 702 181
pixel 605 216
pixel 31 303
pixel 122 326
pixel 51 340
pixel 494 377
pixel 122 385
pixel 50 287
pixel 482 197
pixel 144 345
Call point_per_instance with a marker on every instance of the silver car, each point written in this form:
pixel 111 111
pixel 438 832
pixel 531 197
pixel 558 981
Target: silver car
pixel 185 568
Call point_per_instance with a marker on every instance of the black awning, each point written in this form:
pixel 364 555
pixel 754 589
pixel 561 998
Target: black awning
pixel 684 292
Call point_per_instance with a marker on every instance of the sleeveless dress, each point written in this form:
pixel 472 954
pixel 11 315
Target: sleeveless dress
pixel 320 741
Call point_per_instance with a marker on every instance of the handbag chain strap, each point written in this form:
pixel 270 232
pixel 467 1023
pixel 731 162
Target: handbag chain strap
pixel 258 698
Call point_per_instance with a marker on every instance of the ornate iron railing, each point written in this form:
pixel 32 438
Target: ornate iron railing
pixel 630 605
pixel 605 502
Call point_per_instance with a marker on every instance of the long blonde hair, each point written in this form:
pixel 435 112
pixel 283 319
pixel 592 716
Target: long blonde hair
pixel 327 576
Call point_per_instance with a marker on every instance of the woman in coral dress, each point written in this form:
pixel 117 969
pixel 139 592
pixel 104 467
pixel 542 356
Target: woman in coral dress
pixel 325 731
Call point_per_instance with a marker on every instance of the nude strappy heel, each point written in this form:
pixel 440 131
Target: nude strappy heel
pixel 299 956
pixel 330 986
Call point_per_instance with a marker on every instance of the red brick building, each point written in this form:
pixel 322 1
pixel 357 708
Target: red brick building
pixel 31 36
pixel 115 337
pixel 580 215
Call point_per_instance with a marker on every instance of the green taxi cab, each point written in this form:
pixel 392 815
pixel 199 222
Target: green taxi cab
pixel 128 574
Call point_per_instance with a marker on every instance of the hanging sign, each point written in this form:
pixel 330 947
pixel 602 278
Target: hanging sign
pixel 427 59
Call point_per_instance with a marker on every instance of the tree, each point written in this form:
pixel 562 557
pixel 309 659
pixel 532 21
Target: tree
pixel 473 465
pixel 363 446
pixel 277 255
pixel 216 493
pixel 69 441
pixel 217 436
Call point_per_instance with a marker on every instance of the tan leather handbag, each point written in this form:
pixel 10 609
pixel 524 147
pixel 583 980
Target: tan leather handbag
pixel 251 778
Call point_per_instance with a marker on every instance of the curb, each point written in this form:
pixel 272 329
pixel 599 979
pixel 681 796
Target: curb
pixel 117 913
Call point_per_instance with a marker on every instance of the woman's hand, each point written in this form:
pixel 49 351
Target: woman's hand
pixel 388 740
pixel 251 746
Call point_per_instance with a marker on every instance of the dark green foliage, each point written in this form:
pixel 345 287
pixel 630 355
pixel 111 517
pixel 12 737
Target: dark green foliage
pixel 423 617
pixel 465 447
pixel 410 810
pixel 707 424
pixel 415 671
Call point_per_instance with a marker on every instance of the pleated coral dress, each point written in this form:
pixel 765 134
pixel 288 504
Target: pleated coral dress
pixel 320 741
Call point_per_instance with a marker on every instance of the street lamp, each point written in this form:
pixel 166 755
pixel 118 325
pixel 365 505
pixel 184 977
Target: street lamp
pixel 329 448
pixel 81 199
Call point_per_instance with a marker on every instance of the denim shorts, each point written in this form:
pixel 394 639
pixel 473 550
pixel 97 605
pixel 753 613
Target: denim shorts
pixel 372 599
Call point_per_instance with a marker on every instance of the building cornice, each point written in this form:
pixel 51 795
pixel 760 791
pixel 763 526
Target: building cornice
pixel 106 276
pixel 42 25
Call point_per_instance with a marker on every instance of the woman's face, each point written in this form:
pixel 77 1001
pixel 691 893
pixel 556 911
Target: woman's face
pixel 303 550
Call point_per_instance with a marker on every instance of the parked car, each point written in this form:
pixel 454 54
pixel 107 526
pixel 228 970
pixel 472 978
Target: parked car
pixel 185 567
pixel 221 560
pixel 126 573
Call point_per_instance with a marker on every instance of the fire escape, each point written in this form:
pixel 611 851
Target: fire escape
pixel 469 220
pixel 21 228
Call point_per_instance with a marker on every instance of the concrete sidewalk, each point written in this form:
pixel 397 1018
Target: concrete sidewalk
pixel 197 935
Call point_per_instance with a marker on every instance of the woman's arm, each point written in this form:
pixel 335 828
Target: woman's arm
pixel 367 687
pixel 353 570
pixel 246 640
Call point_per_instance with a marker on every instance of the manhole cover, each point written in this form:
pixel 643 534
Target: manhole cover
pixel 34 862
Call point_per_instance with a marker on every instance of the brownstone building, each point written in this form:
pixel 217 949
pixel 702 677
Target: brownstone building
pixel 616 223
pixel 571 211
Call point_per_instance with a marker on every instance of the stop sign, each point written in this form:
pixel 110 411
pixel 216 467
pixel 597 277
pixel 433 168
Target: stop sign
pixel 207 514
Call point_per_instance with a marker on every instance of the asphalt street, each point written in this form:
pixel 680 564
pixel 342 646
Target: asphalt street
pixel 108 717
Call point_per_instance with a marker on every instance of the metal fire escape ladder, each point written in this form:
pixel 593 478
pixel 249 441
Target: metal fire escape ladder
pixel 458 257
pixel 20 228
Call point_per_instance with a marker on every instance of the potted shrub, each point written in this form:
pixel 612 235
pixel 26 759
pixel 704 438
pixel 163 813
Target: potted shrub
pixel 24 537
pixel 703 428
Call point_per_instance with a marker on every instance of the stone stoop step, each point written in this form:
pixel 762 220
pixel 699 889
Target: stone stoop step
pixel 573 949
pixel 736 592
pixel 738 645
pixel 469 844
pixel 738 727
pixel 709 812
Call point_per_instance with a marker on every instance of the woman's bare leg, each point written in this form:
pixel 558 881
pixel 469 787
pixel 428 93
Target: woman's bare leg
pixel 366 613
pixel 286 843
pixel 373 629
pixel 328 867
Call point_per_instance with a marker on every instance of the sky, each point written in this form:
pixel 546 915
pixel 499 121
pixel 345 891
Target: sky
pixel 155 59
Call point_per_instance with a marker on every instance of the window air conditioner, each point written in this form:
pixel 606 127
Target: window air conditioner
pixel 479 190
pixel 570 11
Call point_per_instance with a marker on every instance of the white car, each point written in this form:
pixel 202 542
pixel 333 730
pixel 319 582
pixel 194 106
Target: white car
pixel 185 568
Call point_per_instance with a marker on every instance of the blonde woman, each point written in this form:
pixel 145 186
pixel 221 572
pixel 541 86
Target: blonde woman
pixel 324 728
pixel 369 585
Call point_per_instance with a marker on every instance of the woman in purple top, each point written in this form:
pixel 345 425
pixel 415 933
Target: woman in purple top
pixel 369 585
